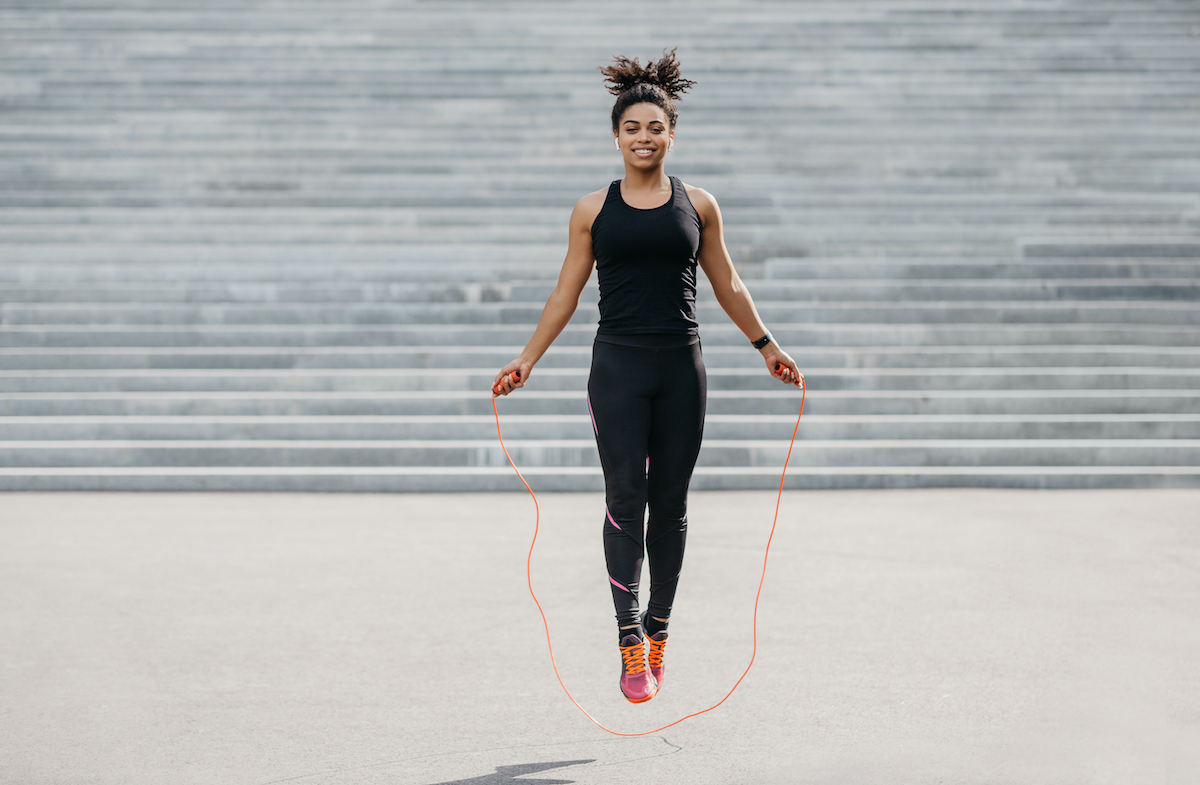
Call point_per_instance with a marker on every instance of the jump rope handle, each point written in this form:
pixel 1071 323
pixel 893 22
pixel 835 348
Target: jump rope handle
pixel 515 376
pixel 779 368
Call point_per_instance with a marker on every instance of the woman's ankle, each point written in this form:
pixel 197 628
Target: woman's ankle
pixel 653 625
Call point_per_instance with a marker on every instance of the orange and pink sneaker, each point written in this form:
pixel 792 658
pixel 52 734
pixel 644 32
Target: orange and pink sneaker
pixel 637 683
pixel 654 656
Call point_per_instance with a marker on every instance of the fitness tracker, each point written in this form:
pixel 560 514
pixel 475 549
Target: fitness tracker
pixel 761 342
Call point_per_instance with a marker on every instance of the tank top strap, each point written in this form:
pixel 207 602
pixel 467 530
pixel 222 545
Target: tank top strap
pixel 612 202
pixel 614 193
pixel 682 201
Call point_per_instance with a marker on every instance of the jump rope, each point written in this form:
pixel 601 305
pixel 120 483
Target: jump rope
pixel 515 376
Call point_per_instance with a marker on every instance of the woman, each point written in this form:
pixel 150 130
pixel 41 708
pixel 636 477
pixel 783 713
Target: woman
pixel 646 234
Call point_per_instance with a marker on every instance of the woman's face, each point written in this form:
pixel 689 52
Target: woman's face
pixel 643 135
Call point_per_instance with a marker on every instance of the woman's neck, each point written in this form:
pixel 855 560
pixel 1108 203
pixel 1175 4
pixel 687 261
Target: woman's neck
pixel 651 180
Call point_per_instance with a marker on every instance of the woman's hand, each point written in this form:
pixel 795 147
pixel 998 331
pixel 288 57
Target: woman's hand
pixel 781 365
pixel 512 377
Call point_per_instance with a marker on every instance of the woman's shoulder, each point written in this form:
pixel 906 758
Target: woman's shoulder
pixel 702 200
pixel 589 206
pixel 698 194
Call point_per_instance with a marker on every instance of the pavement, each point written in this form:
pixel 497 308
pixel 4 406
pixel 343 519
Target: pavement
pixel 909 636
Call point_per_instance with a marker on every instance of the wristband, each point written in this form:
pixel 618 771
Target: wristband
pixel 761 342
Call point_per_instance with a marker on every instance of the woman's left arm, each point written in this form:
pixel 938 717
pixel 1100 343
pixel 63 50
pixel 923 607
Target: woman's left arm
pixel 731 292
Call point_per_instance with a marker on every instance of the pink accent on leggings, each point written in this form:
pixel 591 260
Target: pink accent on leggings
pixel 619 586
pixel 592 415
pixel 610 518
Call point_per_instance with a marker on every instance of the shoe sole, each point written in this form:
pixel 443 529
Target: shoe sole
pixel 639 700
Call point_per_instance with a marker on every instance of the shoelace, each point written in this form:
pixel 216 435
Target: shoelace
pixel 655 654
pixel 634 657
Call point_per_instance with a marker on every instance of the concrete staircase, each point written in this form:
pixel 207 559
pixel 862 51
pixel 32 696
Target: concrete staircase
pixel 286 245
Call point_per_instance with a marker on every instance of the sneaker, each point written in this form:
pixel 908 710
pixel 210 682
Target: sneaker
pixel 654 655
pixel 637 684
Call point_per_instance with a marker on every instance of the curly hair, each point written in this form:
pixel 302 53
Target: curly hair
pixel 658 83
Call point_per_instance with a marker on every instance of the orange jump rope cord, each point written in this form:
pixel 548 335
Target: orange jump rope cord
pixel 758 594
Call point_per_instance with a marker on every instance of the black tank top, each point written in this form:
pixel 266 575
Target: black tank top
pixel 646 264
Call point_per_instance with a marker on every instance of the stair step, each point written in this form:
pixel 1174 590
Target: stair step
pixel 1186 250
pixel 1166 312
pixel 526 427
pixel 576 379
pixel 1003 272
pixel 721 333
pixel 582 452
pixel 483 358
pixel 441 479
pixel 327 293
pixel 448 403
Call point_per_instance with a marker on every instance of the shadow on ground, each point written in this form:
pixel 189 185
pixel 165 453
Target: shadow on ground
pixel 507 774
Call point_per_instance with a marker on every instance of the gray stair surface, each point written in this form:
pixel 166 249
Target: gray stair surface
pixel 286 245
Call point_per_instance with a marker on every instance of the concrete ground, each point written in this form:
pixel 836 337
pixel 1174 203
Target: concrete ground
pixel 954 636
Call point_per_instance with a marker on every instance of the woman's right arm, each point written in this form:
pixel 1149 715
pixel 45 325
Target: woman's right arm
pixel 563 301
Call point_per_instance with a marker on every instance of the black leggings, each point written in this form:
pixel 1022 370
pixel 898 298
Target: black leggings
pixel 647 408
